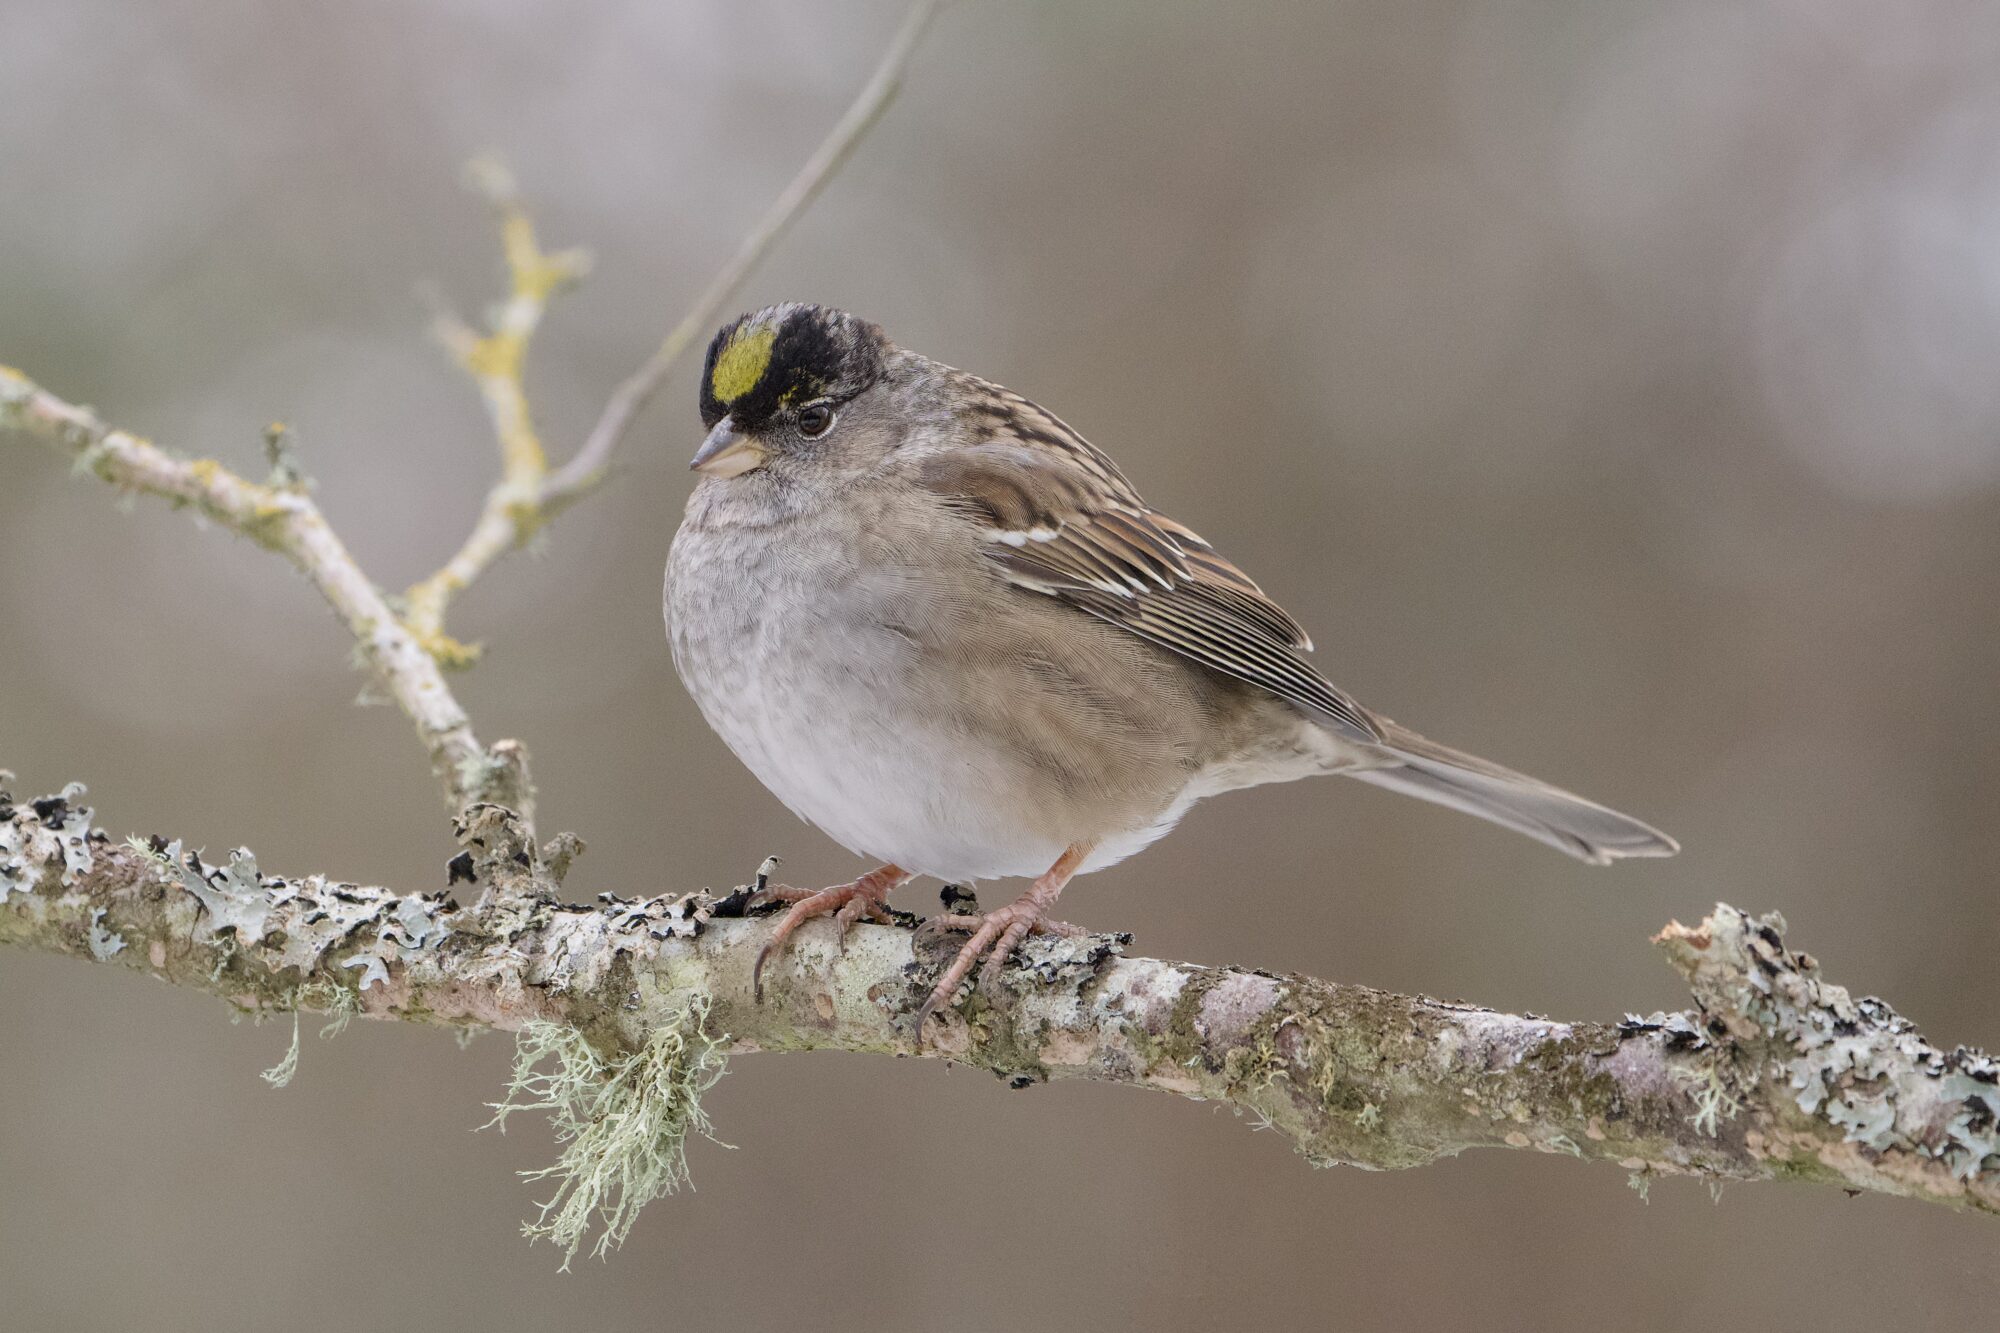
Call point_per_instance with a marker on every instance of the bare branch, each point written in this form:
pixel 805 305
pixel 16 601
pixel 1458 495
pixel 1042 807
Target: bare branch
pixel 576 477
pixel 1775 1074
pixel 407 650
pixel 494 360
pixel 528 493
pixel 283 518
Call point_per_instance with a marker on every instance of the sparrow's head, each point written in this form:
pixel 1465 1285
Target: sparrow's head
pixel 776 382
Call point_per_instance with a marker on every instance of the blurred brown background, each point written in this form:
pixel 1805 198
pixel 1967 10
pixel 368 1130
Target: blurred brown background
pixel 1611 387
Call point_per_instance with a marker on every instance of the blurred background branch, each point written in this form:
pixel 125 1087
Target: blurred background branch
pixel 586 469
pixel 528 492
pixel 406 650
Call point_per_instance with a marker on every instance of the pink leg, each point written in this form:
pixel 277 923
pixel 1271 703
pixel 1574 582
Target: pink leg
pixel 997 933
pixel 846 903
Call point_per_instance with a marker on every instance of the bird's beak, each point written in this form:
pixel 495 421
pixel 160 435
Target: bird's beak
pixel 725 453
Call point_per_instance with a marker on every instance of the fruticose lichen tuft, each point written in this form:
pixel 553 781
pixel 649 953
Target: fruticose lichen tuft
pixel 1713 1101
pixel 623 1122
pixel 321 995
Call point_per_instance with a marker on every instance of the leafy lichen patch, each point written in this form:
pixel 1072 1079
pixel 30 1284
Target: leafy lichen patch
pixel 104 944
pixel 1853 1064
pixel 40 831
pixel 15 875
pixel 1064 960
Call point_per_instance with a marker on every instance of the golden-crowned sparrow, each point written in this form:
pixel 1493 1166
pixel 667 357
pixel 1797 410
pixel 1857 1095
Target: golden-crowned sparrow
pixel 941 625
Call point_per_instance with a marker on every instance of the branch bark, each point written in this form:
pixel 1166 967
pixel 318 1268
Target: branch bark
pixel 1774 1073
pixel 281 516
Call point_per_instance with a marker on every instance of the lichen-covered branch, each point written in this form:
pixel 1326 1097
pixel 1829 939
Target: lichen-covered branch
pixel 1774 1073
pixel 281 516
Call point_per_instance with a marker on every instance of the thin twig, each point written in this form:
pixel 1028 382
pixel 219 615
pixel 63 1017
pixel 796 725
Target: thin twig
pixel 285 519
pixel 528 493
pixel 407 650
pixel 495 360
pixel 582 472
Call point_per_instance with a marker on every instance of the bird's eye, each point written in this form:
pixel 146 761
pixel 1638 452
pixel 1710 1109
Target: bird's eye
pixel 815 420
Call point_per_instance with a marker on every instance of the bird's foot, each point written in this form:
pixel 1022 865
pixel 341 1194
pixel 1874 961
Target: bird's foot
pixel 995 935
pixel 860 900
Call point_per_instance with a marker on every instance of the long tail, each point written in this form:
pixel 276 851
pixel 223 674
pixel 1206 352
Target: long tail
pixel 1584 829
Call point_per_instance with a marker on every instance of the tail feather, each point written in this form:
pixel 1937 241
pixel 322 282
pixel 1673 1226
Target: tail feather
pixel 1565 821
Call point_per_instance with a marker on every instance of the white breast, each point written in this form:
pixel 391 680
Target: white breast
pixel 794 652
pixel 952 725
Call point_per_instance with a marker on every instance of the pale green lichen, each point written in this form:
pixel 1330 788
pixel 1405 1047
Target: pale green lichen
pixel 24 826
pixel 286 475
pixel 1854 1063
pixel 233 895
pixel 623 1121
pixel 280 1074
pixel 225 950
pixel 91 455
pixel 14 877
pixel 143 847
pixel 334 1001
pixel 103 943
pixel 71 822
pixel 1712 1102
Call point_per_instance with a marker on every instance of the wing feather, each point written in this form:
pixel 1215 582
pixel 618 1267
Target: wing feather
pixel 1061 520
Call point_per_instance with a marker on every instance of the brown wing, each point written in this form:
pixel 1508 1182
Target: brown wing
pixel 1063 521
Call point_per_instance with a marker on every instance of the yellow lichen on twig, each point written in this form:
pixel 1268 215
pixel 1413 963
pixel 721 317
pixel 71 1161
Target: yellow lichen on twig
pixel 496 362
pixel 529 492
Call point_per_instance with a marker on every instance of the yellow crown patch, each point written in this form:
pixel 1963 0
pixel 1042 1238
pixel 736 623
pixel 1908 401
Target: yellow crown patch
pixel 742 363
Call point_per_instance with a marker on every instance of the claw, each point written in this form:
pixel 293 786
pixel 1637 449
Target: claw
pixel 998 933
pixel 840 901
pixel 858 908
pixel 924 1012
pixel 1003 949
